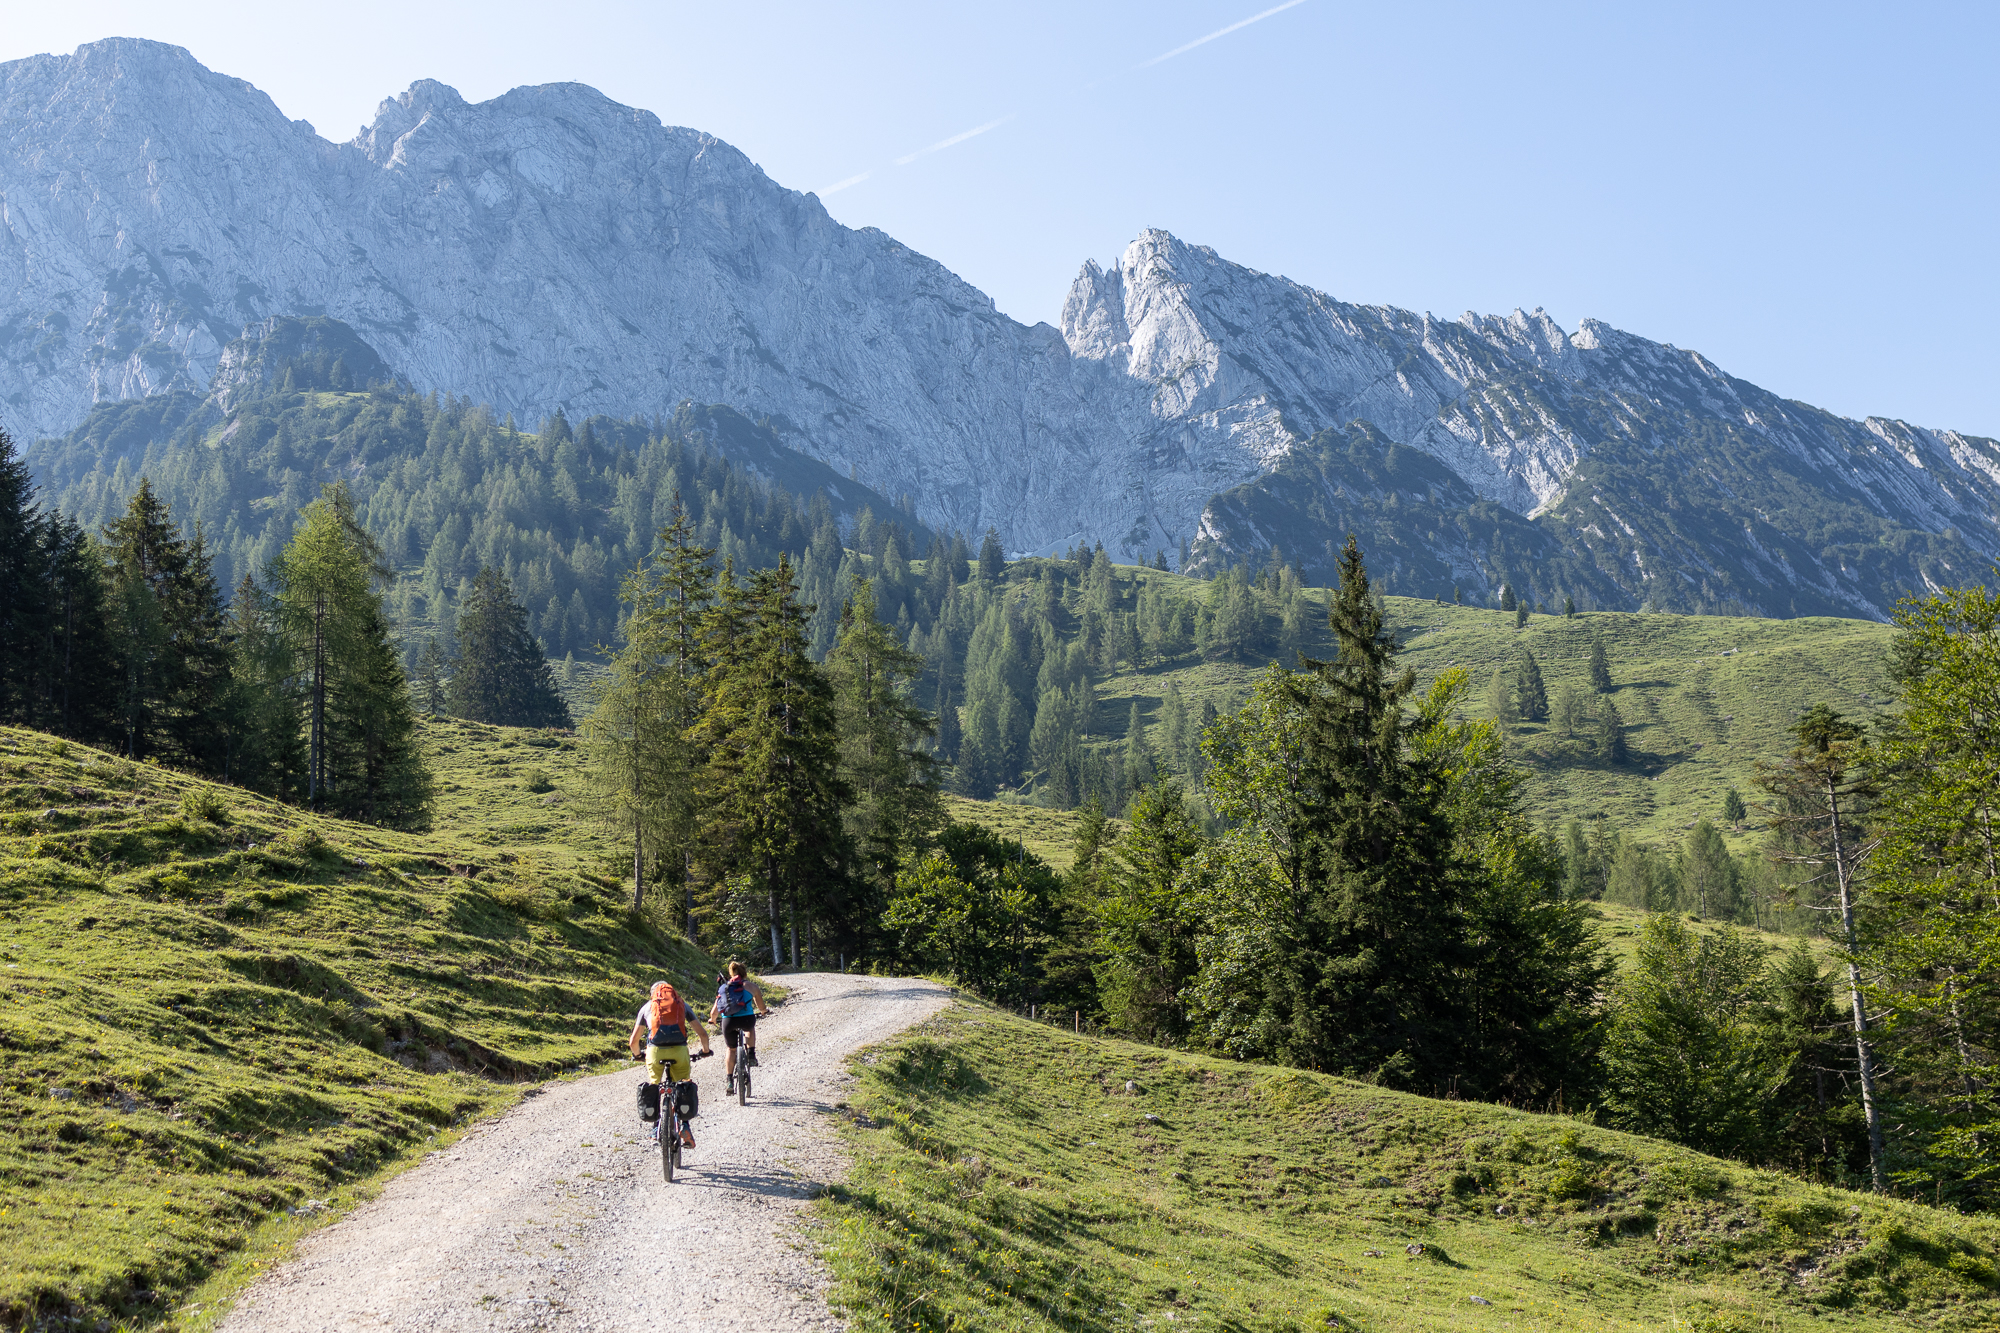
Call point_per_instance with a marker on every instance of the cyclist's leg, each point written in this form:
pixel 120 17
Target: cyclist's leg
pixel 750 1038
pixel 732 1033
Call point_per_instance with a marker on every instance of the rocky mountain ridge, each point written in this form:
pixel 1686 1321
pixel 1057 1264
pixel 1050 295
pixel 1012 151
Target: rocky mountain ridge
pixel 551 249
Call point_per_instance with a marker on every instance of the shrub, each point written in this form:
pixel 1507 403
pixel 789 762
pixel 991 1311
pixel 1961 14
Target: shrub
pixel 203 803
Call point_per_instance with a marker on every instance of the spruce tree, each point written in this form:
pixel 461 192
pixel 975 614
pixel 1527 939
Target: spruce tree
pixel 773 778
pixel 1600 666
pixel 1507 602
pixel 23 599
pixel 1820 793
pixel 895 810
pixel 1500 699
pixel 267 748
pixel 430 682
pixel 1531 696
pixel 167 619
pixel 1733 810
pixel 1364 981
pixel 502 675
pixel 1607 731
pixel 992 560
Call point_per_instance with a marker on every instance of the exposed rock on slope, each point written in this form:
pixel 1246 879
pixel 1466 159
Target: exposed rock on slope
pixel 553 249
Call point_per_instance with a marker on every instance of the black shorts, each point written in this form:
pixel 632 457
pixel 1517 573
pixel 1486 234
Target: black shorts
pixel 734 1028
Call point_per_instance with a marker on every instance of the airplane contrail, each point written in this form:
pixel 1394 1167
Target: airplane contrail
pixel 978 130
pixel 941 144
pixel 1219 32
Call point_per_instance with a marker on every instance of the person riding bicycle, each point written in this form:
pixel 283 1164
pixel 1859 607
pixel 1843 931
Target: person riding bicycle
pixel 663 1021
pixel 739 1003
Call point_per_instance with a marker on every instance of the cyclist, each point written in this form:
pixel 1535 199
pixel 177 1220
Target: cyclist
pixel 739 1003
pixel 663 1021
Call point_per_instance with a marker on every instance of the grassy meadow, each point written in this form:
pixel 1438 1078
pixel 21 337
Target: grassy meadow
pixel 1703 697
pixel 218 1013
pixel 1011 1175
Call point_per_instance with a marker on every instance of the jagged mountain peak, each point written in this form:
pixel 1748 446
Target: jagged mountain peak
pixel 550 249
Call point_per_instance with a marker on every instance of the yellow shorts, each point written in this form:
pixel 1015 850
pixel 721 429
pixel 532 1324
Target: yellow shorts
pixel 674 1057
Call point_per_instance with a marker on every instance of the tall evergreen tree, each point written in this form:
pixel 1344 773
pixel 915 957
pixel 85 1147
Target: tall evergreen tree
pixel 267 749
pixel 1820 794
pixel 1600 666
pixel 362 760
pixel 992 560
pixel 773 779
pixel 1531 695
pixel 896 810
pixel 1366 974
pixel 432 669
pixel 167 616
pixel 23 600
pixel 502 676
pixel 645 755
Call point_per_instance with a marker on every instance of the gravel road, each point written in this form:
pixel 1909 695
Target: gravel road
pixel 555 1215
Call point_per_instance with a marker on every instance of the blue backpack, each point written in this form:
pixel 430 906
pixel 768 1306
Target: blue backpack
pixel 735 998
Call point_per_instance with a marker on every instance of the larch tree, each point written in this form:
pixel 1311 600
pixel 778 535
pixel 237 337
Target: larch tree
pixel 362 760
pixel 1820 795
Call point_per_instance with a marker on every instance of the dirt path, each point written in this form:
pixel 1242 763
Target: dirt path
pixel 556 1216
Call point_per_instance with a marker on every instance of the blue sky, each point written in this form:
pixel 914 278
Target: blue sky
pixel 1804 193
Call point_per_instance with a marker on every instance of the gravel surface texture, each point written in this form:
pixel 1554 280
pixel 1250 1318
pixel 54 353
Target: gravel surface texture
pixel 556 1215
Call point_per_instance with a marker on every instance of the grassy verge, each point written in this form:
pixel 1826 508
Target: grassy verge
pixel 1013 1176
pixel 215 1010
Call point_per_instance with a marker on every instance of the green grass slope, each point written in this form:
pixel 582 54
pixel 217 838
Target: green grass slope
pixel 1014 1176
pixel 215 1009
pixel 1703 697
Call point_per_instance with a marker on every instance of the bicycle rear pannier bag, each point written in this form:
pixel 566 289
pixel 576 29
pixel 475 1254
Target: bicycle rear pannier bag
pixel 687 1100
pixel 649 1101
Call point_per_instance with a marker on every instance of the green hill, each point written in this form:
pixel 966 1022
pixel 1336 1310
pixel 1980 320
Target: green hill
pixel 1013 1175
pixel 1703 697
pixel 215 1009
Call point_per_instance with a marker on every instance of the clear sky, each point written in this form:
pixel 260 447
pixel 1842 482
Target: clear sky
pixel 1806 193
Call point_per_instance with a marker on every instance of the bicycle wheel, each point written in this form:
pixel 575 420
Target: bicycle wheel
pixel 670 1146
pixel 742 1084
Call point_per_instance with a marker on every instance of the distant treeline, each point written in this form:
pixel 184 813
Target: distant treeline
pixel 448 488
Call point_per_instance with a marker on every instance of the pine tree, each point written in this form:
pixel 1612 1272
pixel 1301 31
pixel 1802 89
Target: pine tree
pixel 1139 767
pixel 1569 607
pixel 1531 696
pixel 23 599
pixel 1507 602
pixel 1733 811
pixel 502 676
pixel 1521 616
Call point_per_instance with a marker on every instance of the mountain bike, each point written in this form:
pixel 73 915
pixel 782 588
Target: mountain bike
pixel 667 1125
